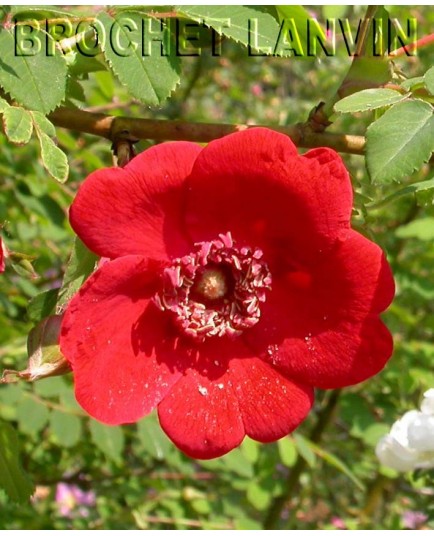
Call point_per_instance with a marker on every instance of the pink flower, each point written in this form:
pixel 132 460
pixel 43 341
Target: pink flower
pixel 73 501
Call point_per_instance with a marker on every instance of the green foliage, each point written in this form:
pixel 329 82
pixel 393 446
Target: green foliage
pixel 81 264
pixel 408 128
pixel 12 479
pixel 108 439
pixel 17 124
pixel 368 99
pixel 235 75
pixel 428 80
pixel 53 158
pixel 150 78
pixel 35 78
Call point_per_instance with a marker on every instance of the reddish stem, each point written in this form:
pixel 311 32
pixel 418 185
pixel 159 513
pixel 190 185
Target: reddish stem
pixel 406 49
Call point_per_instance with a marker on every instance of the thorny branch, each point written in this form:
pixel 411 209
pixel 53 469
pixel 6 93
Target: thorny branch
pixel 135 129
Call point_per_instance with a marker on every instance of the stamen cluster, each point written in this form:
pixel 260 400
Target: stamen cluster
pixel 244 276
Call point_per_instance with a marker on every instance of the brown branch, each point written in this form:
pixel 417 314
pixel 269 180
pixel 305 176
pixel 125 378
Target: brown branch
pixel 134 129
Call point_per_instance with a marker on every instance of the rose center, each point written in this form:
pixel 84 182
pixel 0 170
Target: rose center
pixel 211 285
pixel 216 290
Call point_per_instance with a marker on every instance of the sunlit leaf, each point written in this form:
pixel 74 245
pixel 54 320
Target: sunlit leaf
pixel 368 99
pixel 400 141
pixel 150 78
pixel 29 73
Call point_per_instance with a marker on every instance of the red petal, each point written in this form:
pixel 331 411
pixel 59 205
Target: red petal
pixel 201 413
pixel 271 405
pixel 254 184
pixel 346 355
pixel 120 347
pixel 227 394
pixel 322 328
pixel 137 209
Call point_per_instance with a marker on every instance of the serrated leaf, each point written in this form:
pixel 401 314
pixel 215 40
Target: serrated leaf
pixel 36 81
pixel 149 78
pixel 109 439
pixel 53 158
pixel 429 80
pixel 17 124
pixel 400 141
pixel 368 99
pixel 13 480
pixel 43 123
pixel 81 264
pixel 65 428
pixel 252 26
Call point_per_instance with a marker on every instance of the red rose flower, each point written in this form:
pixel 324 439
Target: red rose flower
pixel 235 287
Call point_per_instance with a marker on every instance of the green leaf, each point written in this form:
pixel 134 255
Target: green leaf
pixel 17 124
pixel 400 141
pixel 43 123
pixel 254 26
pixel 287 451
pixel 245 523
pixel 258 497
pixel 81 264
pixel 250 450
pixel 335 462
pixel 109 439
pixel 368 99
pixel 65 428
pixel 153 439
pixel 51 387
pixel 13 480
pixel 32 416
pixel 4 105
pixel 149 78
pixel 429 80
pixel 412 83
pixel 53 158
pixel 42 305
pixel 421 229
pixel 303 447
pixel 32 76
pixel 423 191
pixel 39 12
pixel 236 462
pixel 374 433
